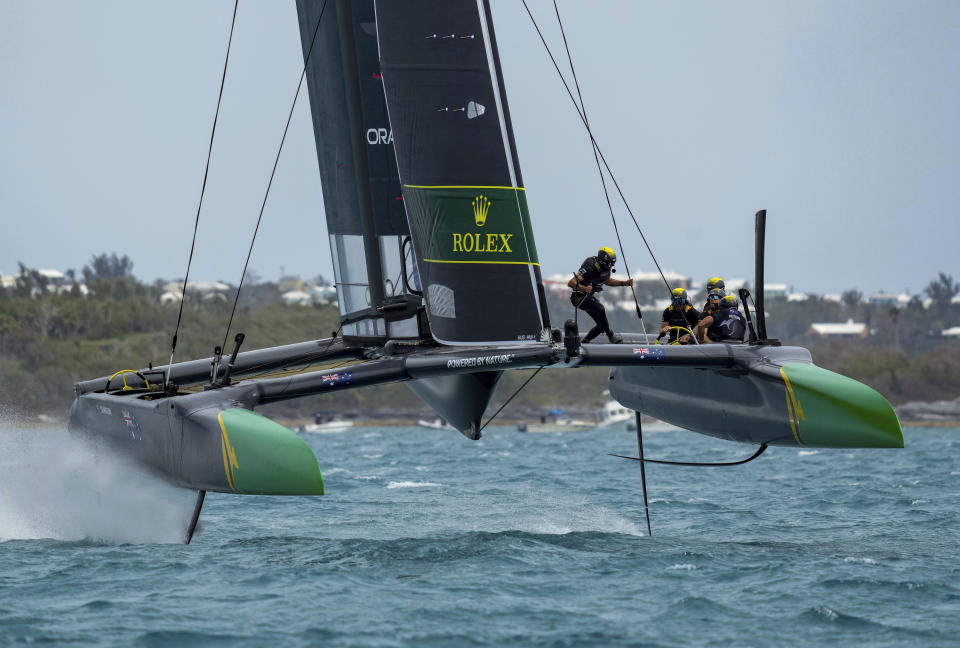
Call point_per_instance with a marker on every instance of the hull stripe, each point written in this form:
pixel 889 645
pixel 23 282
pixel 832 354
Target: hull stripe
pixel 229 454
pixel 794 409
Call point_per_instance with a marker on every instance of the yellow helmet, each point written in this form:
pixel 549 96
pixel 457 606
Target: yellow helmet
pixel 606 257
pixel 729 301
pixel 715 282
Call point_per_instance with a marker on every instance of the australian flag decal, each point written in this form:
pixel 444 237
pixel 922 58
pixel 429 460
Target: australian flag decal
pixel 128 419
pixel 649 354
pixel 342 378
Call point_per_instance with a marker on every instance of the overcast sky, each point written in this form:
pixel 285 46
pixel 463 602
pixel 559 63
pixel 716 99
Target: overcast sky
pixel 842 119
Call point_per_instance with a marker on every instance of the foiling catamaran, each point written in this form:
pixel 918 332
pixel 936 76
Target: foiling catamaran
pixel 429 227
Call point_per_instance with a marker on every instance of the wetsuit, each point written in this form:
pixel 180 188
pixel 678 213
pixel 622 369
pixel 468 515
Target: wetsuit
pixel 594 276
pixel 686 316
pixel 729 325
pixel 708 311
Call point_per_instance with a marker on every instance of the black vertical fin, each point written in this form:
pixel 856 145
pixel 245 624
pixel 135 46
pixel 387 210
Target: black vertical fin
pixel 201 495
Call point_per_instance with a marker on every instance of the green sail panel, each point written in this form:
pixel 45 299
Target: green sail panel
pixel 456 157
pixel 472 224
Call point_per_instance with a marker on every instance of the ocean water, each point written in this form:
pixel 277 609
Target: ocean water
pixel 428 539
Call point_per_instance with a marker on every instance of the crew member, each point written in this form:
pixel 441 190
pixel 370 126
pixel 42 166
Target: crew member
pixel 726 324
pixel 679 314
pixel 714 297
pixel 713 283
pixel 590 279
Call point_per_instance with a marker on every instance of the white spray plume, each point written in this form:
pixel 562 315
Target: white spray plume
pixel 53 485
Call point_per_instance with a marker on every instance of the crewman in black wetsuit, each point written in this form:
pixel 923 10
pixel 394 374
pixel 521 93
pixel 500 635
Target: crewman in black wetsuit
pixel 726 324
pixel 713 304
pixel 678 314
pixel 590 279
pixel 714 298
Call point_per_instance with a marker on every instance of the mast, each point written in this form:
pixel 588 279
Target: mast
pixel 361 171
pixel 377 280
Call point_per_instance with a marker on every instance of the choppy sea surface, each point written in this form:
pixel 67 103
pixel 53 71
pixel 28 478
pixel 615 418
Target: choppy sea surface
pixel 427 539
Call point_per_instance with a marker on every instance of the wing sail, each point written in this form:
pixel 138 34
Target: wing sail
pixel 375 271
pixel 462 187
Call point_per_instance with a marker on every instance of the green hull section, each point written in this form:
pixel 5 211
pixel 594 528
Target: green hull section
pixel 473 224
pixel 261 457
pixel 825 409
pixel 763 395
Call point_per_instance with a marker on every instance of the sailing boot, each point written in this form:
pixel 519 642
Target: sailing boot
pixel 614 338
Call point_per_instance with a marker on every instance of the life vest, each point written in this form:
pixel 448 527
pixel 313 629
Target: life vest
pixel 593 275
pixel 729 325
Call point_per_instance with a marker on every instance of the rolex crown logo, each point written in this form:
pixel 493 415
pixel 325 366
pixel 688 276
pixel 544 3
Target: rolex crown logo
pixel 481 205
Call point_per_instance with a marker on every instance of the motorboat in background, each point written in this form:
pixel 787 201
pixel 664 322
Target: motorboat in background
pixel 437 423
pixel 326 423
pixel 556 421
pixel 613 413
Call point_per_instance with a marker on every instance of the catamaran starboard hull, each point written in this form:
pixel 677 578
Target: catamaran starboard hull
pixel 766 395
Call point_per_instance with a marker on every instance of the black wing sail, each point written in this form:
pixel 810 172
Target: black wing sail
pixel 462 188
pixel 375 271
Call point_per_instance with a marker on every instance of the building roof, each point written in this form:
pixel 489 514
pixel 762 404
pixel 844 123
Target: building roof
pixel 888 298
pixel 839 328
pixel 296 297
pixel 199 286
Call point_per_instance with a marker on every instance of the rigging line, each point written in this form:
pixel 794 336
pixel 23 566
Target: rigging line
pixel 597 145
pixel 519 389
pixel 763 446
pixel 596 159
pixel 303 74
pixel 325 349
pixel 203 188
pixel 332 339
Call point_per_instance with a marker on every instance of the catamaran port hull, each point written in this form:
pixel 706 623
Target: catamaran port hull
pixel 201 442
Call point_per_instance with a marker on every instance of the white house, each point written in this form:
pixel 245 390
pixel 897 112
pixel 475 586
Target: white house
pixel 296 298
pixel 775 290
pixel 323 294
pixel 173 291
pixel 837 329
